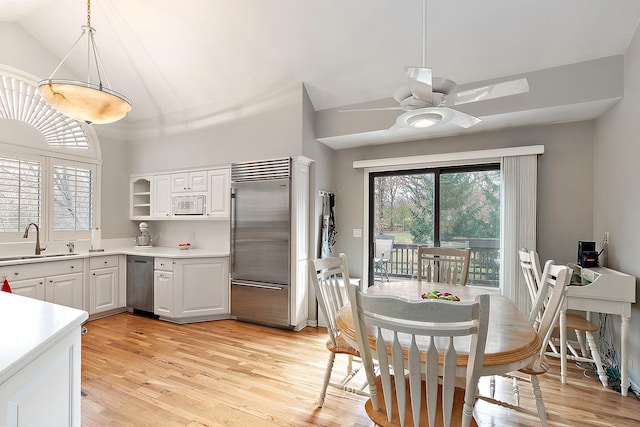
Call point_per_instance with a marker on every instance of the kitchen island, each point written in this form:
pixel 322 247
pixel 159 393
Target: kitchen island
pixel 39 362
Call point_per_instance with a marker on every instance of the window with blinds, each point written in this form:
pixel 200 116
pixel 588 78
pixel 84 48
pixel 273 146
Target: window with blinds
pixel 20 194
pixel 72 198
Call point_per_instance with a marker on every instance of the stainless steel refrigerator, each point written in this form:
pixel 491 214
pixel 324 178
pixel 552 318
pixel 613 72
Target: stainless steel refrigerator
pixel 260 242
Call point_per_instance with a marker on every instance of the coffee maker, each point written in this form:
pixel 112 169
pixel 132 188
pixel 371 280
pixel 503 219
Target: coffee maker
pixel 144 238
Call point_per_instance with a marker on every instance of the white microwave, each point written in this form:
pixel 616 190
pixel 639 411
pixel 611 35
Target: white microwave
pixel 188 204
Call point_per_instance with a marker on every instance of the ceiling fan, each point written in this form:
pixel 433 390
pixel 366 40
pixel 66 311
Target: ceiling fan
pixel 427 100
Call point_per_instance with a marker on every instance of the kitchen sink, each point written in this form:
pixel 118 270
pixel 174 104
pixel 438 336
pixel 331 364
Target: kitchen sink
pixel 21 257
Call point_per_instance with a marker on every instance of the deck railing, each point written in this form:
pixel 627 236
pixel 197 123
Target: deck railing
pixel 484 267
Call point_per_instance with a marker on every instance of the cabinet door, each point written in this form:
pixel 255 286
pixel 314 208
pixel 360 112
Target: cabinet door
pixel 179 182
pixel 203 288
pixel 189 181
pixel 219 194
pixel 163 293
pixel 32 288
pixel 161 196
pixel 65 289
pixel 198 181
pixel 103 290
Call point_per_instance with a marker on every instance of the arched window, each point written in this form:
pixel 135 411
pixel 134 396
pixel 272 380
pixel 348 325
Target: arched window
pixel 49 165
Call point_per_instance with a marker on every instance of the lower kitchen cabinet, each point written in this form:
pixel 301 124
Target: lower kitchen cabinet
pixel 163 293
pixel 104 284
pixel 191 289
pixel 65 290
pixel 46 281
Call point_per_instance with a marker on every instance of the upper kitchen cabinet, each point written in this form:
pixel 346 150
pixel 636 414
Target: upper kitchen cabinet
pixel 161 197
pixel 140 193
pixel 219 193
pixel 189 181
pixel 152 195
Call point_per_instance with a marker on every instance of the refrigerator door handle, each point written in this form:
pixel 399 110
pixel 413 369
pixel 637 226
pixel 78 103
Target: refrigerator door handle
pixel 259 285
pixel 232 258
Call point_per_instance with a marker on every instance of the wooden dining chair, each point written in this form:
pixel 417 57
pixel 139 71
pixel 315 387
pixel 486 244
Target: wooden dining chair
pixel 329 276
pixel 443 265
pixel 576 322
pixel 546 308
pixel 417 337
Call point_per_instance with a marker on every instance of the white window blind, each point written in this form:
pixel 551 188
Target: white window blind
pixel 20 189
pixel 72 198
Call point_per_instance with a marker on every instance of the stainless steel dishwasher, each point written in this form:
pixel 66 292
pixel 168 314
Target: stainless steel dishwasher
pixel 140 283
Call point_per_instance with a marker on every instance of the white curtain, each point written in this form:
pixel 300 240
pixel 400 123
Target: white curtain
pixel 518 207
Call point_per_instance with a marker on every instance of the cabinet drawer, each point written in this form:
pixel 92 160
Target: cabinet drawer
pixel 103 261
pixel 164 264
pixel 41 269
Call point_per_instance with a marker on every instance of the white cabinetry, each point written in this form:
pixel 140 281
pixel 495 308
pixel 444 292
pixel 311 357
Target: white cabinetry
pixel 299 308
pixel 32 288
pixel 191 289
pixel 151 195
pixel 40 366
pixel 163 297
pixel 104 284
pixel 161 196
pixel 219 193
pixel 60 282
pixel 189 181
pixel 140 193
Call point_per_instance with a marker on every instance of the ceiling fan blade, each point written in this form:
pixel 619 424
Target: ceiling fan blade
pixel 420 83
pixel 461 119
pixel 355 110
pixel 497 90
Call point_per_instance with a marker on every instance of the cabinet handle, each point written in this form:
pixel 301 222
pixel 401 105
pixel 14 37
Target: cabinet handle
pixel 50 280
pixel 16 273
pixel 106 262
pixel 73 266
pixel 94 274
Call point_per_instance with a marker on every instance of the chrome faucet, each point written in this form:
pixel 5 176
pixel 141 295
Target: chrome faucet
pixel 26 235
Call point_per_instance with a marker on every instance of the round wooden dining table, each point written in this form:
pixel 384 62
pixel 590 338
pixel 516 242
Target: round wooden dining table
pixel 511 340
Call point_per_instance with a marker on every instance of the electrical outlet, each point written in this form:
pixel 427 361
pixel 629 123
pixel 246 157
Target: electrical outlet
pixel 606 238
pixel 357 232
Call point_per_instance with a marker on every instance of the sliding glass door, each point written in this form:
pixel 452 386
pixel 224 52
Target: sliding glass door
pixel 447 207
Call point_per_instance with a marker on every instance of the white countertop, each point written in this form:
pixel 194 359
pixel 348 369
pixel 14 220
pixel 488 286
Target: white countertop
pixel 28 327
pixel 154 251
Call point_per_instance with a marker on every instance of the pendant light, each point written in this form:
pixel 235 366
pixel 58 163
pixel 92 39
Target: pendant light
pixel 85 101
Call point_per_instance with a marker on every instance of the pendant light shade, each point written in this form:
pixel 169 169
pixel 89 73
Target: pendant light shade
pixel 85 101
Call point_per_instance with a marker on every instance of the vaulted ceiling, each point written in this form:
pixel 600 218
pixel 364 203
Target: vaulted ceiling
pixel 169 57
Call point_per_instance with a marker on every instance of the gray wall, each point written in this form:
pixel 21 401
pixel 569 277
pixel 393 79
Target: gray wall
pixel 565 183
pixel 115 190
pixel 617 197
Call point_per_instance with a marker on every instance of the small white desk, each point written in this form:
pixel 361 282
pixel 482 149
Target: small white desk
pixel 608 291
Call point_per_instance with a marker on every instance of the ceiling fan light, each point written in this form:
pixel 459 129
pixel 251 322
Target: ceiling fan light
pixel 425 120
pixel 84 101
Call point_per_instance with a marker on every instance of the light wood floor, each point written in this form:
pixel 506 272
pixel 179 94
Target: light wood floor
pixel 144 372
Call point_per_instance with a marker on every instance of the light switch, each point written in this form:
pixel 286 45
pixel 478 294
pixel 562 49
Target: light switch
pixel 357 232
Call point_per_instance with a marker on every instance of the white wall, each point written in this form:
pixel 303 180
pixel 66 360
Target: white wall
pixel 616 195
pixel 565 189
